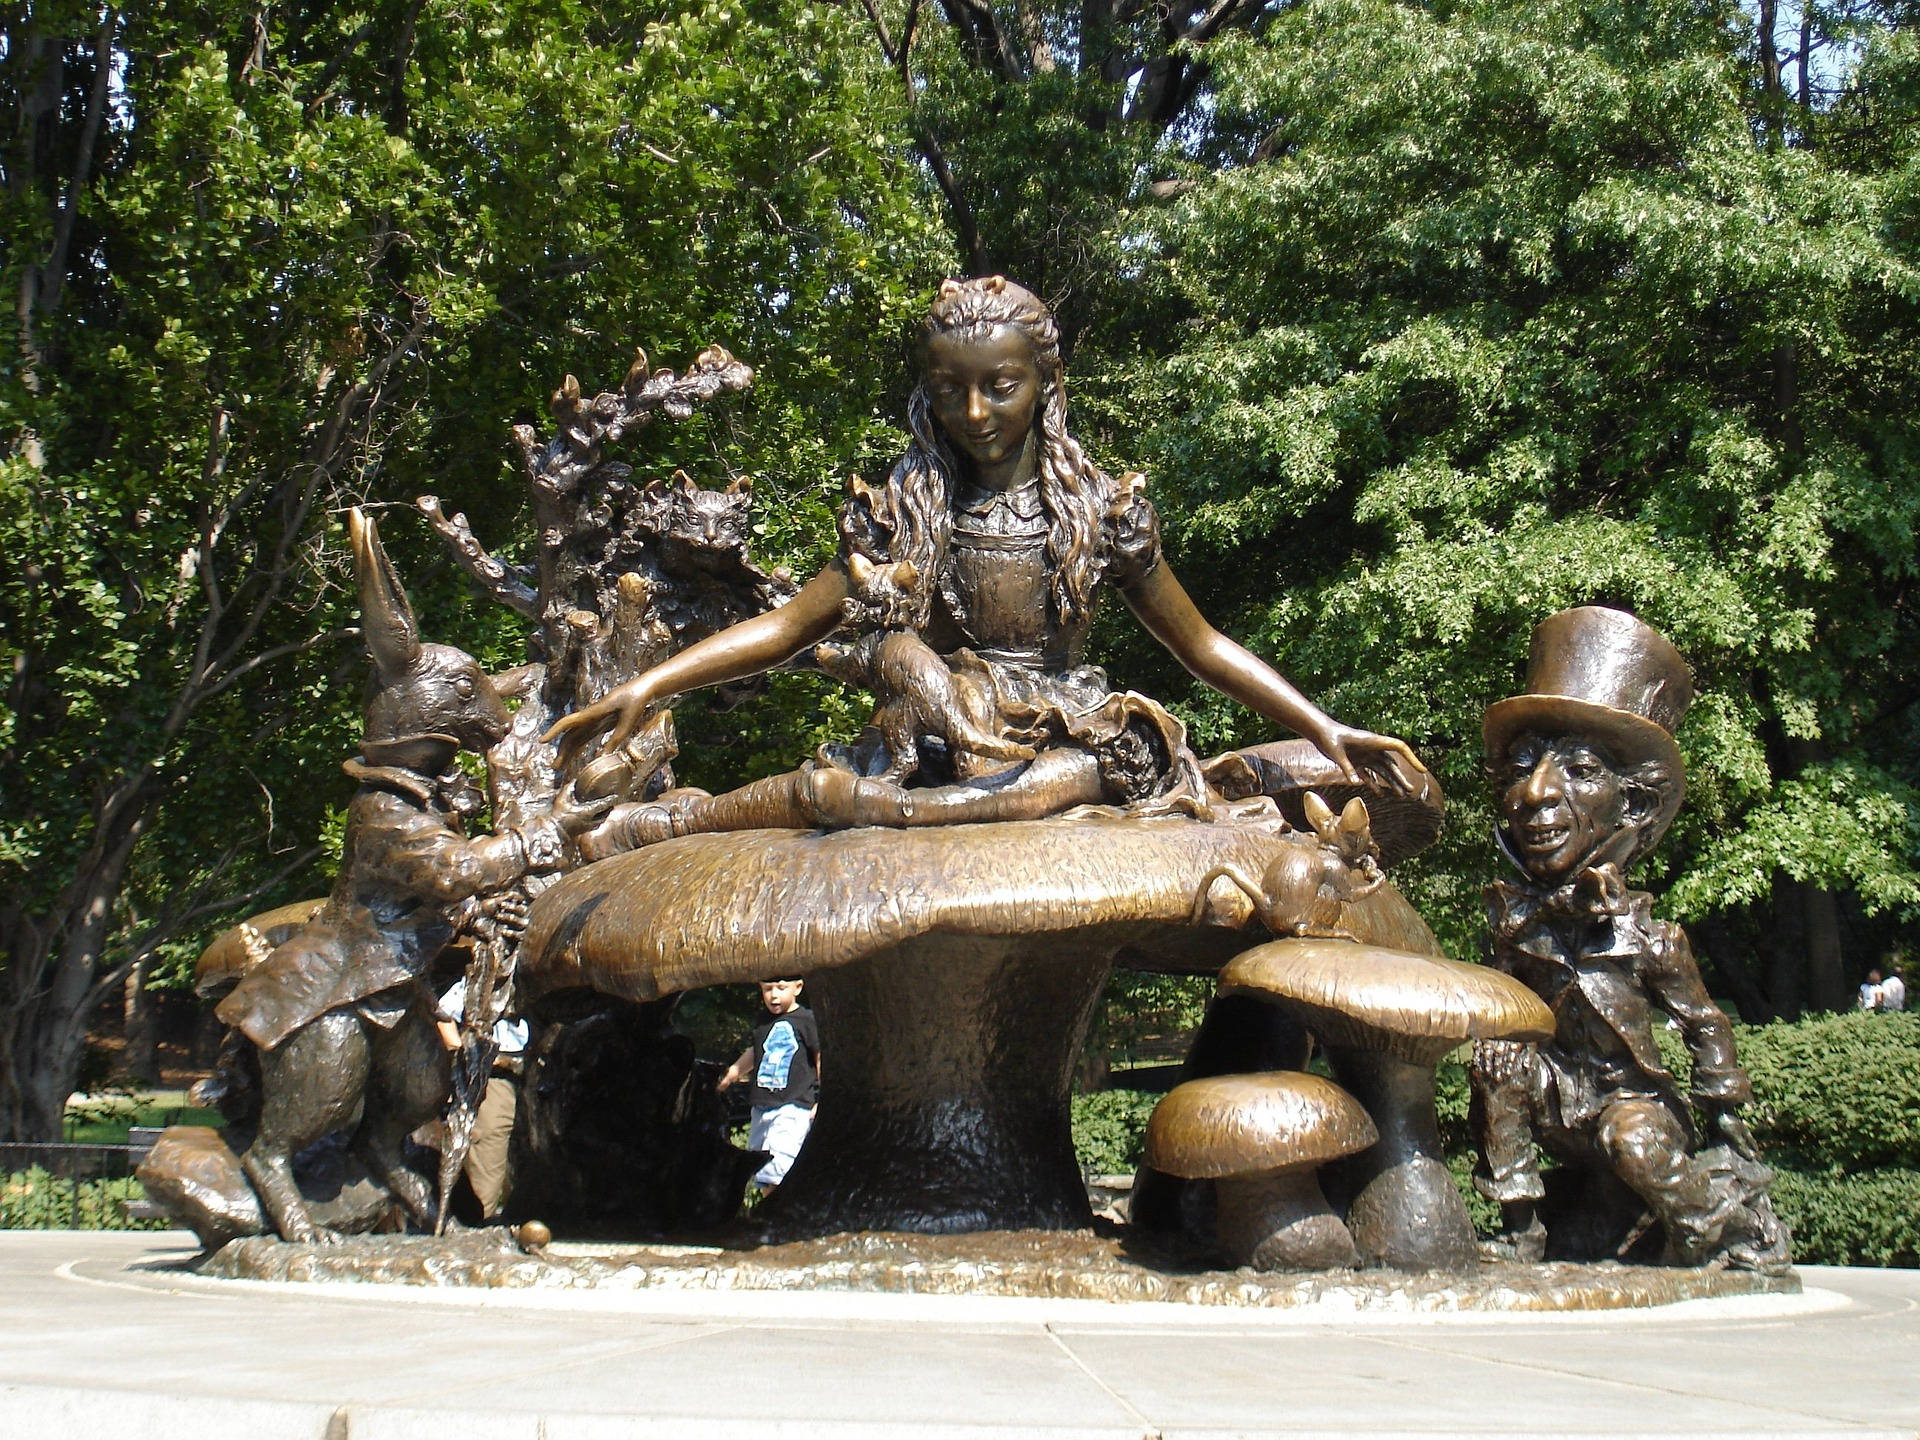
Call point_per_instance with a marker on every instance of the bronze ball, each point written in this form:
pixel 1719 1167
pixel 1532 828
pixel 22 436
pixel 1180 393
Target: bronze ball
pixel 533 1235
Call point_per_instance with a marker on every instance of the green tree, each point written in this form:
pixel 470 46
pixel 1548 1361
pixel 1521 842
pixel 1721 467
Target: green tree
pixel 1429 318
pixel 1484 309
pixel 269 263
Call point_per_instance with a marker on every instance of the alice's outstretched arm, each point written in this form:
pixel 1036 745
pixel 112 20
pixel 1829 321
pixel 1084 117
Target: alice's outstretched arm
pixel 735 653
pixel 1172 618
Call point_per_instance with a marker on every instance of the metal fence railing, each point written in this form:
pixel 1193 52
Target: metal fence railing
pixel 61 1184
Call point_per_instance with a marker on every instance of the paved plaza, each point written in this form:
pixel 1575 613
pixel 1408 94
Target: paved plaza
pixel 100 1335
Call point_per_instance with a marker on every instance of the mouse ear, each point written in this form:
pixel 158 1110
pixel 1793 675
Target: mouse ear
pixel 1319 814
pixel 1355 822
pixel 386 615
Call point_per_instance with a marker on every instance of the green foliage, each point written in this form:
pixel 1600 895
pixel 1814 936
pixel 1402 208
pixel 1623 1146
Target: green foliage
pixel 1512 308
pixel 1871 1218
pixel 106 1120
pixel 335 267
pixel 1839 1094
pixel 1451 1097
pixel 1144 1018
pixel 1109 1128
pixel 33 1199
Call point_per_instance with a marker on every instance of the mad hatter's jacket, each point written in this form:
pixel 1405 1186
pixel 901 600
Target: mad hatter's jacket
pixel 1611 973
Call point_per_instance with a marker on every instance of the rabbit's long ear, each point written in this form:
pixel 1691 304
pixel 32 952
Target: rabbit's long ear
pixel 386 615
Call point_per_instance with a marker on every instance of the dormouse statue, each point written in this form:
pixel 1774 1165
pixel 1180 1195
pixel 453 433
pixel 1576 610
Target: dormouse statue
pixel 1587 778
pixel 339 1011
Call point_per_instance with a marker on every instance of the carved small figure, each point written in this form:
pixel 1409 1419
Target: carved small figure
pixel 1301 892
pixel 1587 778
pixel 343 1025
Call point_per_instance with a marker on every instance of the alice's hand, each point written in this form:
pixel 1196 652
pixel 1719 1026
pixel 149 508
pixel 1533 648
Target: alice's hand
pixel 1382 756
pixel 625 707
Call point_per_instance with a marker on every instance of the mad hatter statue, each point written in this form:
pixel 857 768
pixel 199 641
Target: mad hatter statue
pixel 1587 778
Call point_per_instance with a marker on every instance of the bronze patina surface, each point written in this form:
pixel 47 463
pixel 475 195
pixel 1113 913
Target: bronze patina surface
pixel 955 970
pixel 718 909
pixel 1057 1265
pixel 1588 777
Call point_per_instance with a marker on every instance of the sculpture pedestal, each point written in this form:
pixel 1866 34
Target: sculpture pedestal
pixel 944 1100
pixel 954 972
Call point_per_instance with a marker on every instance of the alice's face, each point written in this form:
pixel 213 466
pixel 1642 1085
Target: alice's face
pixel 984 389
pixel 1561 801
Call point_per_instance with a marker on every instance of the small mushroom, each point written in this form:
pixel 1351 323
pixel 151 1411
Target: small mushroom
pixel 1261 1138
pixel 1387 1018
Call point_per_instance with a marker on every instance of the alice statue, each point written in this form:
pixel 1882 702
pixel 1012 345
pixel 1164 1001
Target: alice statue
pixel 968 584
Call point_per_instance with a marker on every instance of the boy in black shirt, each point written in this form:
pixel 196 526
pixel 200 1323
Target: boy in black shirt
pixel 784 1064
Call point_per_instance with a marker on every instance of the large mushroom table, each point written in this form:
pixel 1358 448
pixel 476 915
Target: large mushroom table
pixel 954 972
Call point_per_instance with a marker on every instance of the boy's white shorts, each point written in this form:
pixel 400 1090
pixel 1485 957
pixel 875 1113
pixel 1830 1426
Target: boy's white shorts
pixel 783 1130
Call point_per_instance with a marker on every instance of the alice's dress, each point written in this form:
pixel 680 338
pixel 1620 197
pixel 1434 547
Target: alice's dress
pixel 994 618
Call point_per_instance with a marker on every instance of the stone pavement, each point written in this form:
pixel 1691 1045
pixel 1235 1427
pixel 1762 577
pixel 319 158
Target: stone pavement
pixel 98 1337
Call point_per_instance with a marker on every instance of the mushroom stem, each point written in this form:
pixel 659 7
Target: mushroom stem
pixel 945 1100
pixel 1405 1213
pixel 1283 1222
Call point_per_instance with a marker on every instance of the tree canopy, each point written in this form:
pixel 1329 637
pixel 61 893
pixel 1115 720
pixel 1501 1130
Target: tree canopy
pixel 271 263
pixel 1425 319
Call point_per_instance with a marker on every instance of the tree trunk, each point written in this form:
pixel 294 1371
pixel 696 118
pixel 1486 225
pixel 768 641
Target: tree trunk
pixel 1786 957
pixel 1724 951
pixel 53 968
pixel 1826 979
pixel 140 1024
pixel 1771 87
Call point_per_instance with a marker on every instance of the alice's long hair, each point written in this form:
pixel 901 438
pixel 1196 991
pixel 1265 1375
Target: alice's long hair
pixel 912 518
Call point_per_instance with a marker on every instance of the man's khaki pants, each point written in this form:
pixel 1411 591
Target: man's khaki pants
pixel 487 1153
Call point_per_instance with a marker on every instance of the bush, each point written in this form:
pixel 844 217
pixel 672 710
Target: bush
pixel 1839 1092
pixel 1109 1130
pixel 1867 1219
pixel 33 1199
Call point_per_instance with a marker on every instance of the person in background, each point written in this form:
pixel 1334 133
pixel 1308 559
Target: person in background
pixel 1872 993
pixel 1893 993
pixel 487 1152
pixel 783 1064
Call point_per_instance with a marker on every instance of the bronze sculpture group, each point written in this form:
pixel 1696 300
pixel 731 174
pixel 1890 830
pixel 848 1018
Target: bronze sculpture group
pixel 1057 827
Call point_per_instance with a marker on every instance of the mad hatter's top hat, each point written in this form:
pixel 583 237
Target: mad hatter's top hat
pixel 1605 673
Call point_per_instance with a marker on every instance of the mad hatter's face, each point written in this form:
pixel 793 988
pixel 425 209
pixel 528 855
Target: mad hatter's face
pixel 1562 802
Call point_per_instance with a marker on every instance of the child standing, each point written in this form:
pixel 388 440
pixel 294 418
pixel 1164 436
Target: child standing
pixel 783 1062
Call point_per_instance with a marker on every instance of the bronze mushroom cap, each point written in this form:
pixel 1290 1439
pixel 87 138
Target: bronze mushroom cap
pixel 1230 1126
pixel 1415 1008
pixel 1260 1138
pixel 750 905
pixel 226 959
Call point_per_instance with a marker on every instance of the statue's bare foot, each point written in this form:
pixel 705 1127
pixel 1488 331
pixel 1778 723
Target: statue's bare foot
pixel 836 799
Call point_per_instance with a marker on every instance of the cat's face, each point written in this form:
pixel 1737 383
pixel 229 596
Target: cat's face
pixel 707 519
